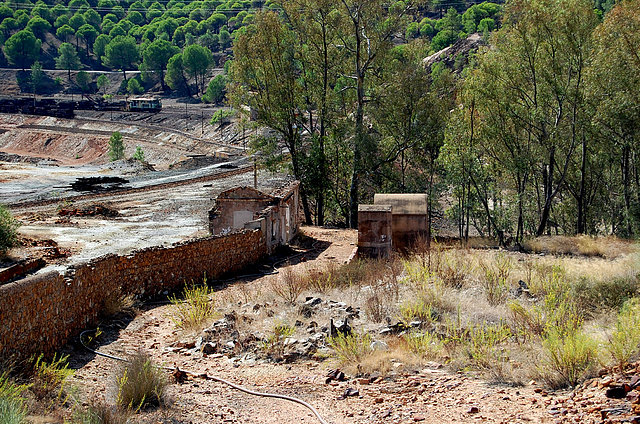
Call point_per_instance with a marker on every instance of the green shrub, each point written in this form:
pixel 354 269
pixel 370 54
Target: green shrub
pixel 116 146
pixel 495 279
pixel 419 310
pixel 194 308
pixel 139 154
pixel 612 293
pixel 352 348
pixel 481 346
pixel 50 378
pixel 141 383
pixel 425 345
pixel 624 343
pixel 568 358
pixel 12 411
pixel 8 230
pixel 221 116
pixel 215 90
pixel 273 345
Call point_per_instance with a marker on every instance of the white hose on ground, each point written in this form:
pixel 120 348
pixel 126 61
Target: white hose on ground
pixel 218 379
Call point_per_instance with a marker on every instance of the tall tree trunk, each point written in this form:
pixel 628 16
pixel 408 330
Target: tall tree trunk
pixel 624 167
pixel 293 137
pixel 358 142
pixel 581 191
pixel 547 181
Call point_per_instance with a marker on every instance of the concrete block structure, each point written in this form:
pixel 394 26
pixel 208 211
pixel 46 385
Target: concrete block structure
pixel 374 230
pixel 409 217
pixel 276 214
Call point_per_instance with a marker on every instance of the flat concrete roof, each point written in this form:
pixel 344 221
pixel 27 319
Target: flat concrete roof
pixel 374 208
pixel 405 203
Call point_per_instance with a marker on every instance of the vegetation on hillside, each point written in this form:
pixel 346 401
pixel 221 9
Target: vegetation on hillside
pixel 536 134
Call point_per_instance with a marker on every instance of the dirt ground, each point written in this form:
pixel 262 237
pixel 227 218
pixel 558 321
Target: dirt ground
pixel 429 394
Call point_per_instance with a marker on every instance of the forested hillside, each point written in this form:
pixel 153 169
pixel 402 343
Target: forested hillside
pixel 185 38
pixel 537 133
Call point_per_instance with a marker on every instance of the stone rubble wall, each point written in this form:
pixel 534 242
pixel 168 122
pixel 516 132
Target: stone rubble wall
pixel 41 313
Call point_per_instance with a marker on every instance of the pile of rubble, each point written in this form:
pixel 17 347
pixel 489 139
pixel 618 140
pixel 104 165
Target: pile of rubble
pixel 89 210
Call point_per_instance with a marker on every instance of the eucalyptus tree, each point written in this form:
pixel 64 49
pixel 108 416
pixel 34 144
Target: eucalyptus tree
pixel 264 77
pixel 366 37
pixel 615 81
pixel 528 98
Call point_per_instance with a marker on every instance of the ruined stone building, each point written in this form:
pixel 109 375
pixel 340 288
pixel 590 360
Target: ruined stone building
pixel 275 213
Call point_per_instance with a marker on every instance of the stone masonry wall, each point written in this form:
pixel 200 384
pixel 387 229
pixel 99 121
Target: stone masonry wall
pixel 41 313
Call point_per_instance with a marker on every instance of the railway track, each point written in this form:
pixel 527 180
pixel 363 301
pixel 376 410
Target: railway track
pixel 22 206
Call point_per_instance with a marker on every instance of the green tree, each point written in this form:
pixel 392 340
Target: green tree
pixel 102 83
pixel 524 114
pixel 116 146
pixel 121 53
pixel 317 24
pixel 139 154
pixel 224 38
pixel 76 21
pixel 8 230
pixel 215 90
pixel 83 79
pixel 38 26
pixel 93 18
pixel 89 34
pixel 67 58
pixel 36 76
pixel 450 29
pixel 134 87
pixel 100 45
pixel 614 80
pixel 175 77
pixel 197 60
pixel 22 49
pixel 368 33
pixel 65 32
pixel 265 78
pixel 156 57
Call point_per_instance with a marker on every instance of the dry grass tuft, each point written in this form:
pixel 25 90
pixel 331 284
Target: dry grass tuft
pixel 604 247
pixel 289 284
pixel 140 383
pixel 100 414
pixel 118 302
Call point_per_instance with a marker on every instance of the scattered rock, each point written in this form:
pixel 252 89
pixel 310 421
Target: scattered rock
pixel 473 410
pixel 179 375
pixel 209 348
pixel 336 375
pixel 617 392
pixel 306 311
pixel 349 391
pixel 312 301
pixel 340 327
pixel 379 345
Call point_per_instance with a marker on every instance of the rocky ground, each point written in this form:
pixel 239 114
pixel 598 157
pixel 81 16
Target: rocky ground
pixel 229 348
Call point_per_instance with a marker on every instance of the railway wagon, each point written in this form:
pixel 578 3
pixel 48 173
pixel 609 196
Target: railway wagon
pixel 144 104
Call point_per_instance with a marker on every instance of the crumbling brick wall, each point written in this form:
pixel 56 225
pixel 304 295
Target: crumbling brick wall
pixel 41 313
